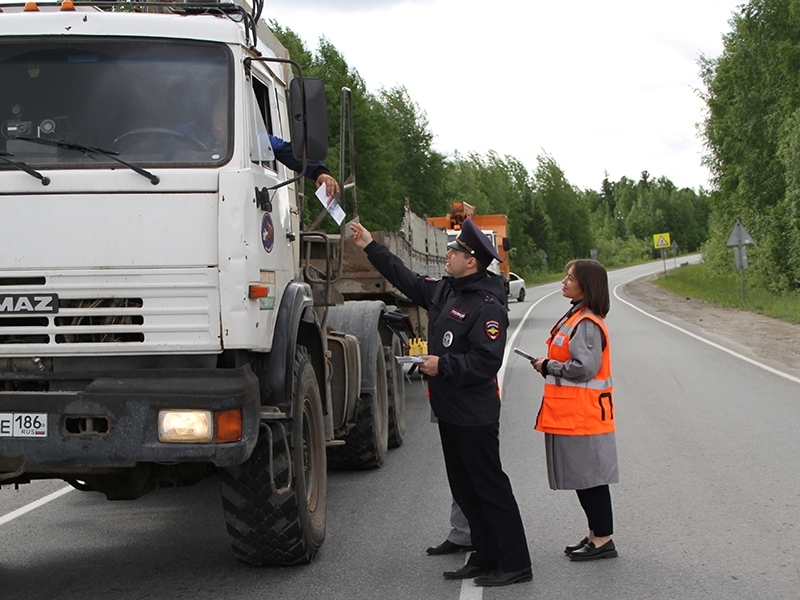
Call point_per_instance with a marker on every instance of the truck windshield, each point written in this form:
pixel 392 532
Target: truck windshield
pixel 156 103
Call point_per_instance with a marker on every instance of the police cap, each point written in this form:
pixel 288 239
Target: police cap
pixel 474 242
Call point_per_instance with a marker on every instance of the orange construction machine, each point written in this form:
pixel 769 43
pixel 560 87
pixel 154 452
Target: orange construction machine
pixel 494 226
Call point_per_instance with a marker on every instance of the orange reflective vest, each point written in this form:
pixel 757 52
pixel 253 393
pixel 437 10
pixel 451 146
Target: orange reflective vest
pixel 570 408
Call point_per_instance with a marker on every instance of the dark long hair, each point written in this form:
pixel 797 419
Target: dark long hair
pixel 593 279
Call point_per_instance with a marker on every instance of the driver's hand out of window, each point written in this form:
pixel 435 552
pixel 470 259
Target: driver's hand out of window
pixel 331 185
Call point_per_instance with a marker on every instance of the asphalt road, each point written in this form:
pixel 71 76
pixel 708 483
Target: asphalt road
pixel 708 505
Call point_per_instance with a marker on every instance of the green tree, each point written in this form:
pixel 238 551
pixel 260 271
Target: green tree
pixel 393 157
pixel 752 92
pixel 419 169
pixel 570 236
pixel 395 160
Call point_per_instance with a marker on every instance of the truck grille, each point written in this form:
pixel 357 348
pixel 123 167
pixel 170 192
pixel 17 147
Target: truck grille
pixel 98 321
pixel 166 310
pixel 102 315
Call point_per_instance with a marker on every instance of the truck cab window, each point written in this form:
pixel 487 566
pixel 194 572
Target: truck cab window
pixel 152 103
pixel 260 122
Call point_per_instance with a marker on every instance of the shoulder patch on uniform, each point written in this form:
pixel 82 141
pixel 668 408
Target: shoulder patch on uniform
pixel 487 297
pixel 433 279
pixel 492 329
pixel 457 313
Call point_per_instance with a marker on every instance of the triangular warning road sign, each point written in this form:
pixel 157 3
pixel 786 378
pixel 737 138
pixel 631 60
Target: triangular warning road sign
pixel 739 236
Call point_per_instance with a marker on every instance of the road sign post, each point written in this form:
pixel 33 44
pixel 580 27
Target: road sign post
pixel 738 240
pixel 661 242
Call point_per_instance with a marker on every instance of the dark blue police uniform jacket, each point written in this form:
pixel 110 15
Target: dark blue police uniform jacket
pixel 467 326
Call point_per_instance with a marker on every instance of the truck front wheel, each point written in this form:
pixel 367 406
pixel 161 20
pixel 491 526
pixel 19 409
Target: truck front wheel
pixel 275 503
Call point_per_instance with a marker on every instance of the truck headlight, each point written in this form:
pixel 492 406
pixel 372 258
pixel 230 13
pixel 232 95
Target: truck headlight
pixel 194 426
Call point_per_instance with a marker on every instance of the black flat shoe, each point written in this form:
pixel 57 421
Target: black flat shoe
pixel 467 572
pixel 447 547
pixel 570 549
pixel 498 578
pixel 592 552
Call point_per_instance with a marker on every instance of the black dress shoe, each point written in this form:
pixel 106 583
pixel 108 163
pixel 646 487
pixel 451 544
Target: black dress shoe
pixel 592 552
pixel 502 578
pixel 570 549
pixel 467 572
pixel 448 547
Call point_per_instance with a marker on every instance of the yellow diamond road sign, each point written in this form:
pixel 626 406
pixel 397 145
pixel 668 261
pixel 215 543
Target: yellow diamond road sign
pixel 661 240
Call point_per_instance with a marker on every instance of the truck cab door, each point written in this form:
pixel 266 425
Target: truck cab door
pixel 273 208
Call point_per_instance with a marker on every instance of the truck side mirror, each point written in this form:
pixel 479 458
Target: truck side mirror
pixel 309 123
pixel 506 244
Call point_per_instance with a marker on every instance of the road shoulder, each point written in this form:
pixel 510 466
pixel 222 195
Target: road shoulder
pixel 761 338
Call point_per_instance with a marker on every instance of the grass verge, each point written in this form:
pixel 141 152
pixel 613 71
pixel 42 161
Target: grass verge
pixel 698 281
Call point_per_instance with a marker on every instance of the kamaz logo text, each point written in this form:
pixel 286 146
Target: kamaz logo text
pixel 28 303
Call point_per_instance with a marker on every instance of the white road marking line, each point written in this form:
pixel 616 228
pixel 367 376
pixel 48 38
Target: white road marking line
pixel 470 591
pixel 501 374
pixel 709 342
pixel 34 505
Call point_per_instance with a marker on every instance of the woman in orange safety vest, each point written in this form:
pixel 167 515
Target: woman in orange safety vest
pixel 577 413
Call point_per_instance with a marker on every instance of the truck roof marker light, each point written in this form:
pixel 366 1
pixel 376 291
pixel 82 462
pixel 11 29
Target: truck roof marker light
pixel 176 426
pixel 228 426
pixel 68 5
pixel 258 291
pixel 31 7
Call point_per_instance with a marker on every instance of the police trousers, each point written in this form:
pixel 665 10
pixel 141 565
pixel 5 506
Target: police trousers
pixel 483 491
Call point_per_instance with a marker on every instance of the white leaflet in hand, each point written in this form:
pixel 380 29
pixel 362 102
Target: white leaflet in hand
pixel 330 204
pixel 409 359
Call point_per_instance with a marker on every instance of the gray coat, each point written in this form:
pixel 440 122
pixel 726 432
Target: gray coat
pixel 578 462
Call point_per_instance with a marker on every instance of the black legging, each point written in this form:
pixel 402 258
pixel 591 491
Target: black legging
pixel 596 503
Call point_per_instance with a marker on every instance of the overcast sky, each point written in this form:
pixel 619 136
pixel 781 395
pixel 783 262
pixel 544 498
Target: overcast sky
pixel 601 86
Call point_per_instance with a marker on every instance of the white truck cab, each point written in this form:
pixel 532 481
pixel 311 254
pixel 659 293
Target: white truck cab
pixel 158 320
pixel 130 159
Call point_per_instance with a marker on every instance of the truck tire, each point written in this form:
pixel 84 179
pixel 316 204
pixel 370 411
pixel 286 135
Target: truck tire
pixel 367 442
pixel 80 485
pixel 282 524
pixel 397 394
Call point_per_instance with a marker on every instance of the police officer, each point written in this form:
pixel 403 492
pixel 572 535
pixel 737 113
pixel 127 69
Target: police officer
pixel 466 338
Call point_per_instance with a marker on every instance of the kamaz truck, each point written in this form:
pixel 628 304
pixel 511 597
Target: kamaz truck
pixel 165 314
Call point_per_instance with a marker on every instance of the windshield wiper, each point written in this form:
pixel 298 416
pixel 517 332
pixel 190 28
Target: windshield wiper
pixel 88 150
pixel 23 167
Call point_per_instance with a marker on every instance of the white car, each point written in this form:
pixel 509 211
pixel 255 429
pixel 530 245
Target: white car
pixel 516 287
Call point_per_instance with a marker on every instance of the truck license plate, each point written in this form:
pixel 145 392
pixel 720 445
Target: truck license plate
pixel 23 425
